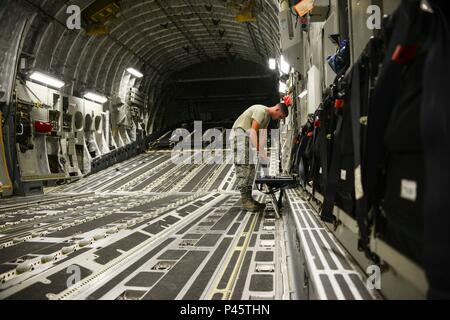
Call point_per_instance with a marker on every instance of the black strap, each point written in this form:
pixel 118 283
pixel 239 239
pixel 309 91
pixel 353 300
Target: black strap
pixel 333 174
pixel 323 132
pixel 359 84
pixel 314 167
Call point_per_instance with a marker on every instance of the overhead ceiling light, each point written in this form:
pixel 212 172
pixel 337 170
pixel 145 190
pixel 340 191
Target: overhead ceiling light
pixel 282 87
pixel 284 66
pixel 135 73
pixel 46 79
pixel 303 94
pixel 272 64
pixel 95 97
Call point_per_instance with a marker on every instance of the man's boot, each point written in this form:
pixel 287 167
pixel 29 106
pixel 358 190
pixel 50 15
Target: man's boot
pixel 248 203
pixel 261 206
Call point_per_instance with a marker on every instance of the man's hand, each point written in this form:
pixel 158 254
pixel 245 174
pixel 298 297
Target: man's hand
pixel 263 159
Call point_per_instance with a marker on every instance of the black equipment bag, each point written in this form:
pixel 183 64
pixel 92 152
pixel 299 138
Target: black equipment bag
pixel 308 153
pixel 402 204
pixel 323 126
pixel 303 156
pixel 345 176
pixel 392 168
pixel 333 184
pixel 435 123
pixel 364 75
pixel 345 193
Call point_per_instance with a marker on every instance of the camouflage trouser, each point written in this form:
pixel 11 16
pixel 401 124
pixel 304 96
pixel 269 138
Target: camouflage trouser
pixel 245 169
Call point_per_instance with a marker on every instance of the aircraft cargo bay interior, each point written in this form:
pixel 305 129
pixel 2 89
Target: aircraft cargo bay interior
pixel 224 150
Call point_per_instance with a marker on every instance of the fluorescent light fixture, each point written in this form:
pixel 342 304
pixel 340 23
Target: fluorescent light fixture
pixel 284 66
pixel 135 73
pixel 46 79
pixel 95 97
pixel 303 94
pixel 272 64
pixel 282 87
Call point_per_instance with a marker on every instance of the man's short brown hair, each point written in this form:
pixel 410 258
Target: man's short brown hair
pixel 283 108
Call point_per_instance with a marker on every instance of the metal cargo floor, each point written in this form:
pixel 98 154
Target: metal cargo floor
pixel 147 229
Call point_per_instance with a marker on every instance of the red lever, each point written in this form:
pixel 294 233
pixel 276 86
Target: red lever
pixel 43 127
pixel 317 123
pixel 287 100
pixel 404 53
pixel 339 103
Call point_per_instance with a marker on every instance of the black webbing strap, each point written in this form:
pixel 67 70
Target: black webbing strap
pixel 333 174
pixel 323 132
pixel 359 83
pixel 308 153
pixel 299 159
pixel 313 157
pixel 315 139
pixel 320 137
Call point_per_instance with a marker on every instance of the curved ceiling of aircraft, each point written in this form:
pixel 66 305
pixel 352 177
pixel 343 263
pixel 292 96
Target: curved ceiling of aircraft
pixel 158 37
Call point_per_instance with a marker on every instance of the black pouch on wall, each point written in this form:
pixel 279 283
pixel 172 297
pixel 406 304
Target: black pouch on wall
pixel 344 198
pixel 345 195
pixel 333 184
pixel 404 175
pixel 402 206
pixel 321 145
pixel 307 157
pixel 393 176
pixel 435 120
pixel 300 163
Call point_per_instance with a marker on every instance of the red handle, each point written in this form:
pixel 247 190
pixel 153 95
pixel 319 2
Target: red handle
pixel 43 127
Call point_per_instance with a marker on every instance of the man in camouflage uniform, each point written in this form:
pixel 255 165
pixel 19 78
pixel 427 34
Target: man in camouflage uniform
pixel 246 139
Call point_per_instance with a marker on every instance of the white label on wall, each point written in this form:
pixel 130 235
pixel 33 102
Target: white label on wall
pixel 320 170
pixel 408 190
pixel 343 175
